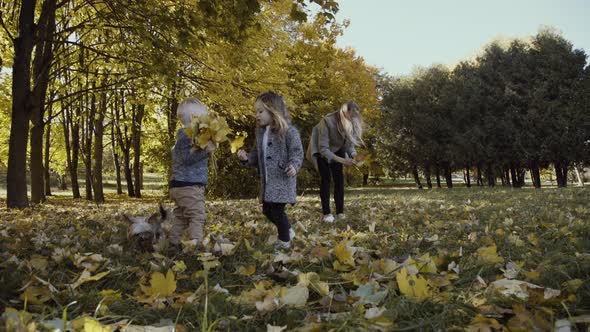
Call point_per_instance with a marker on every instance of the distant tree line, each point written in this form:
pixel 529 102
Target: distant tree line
pixel 523 107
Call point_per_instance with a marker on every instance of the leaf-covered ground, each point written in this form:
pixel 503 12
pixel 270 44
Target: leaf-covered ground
pixel 474 259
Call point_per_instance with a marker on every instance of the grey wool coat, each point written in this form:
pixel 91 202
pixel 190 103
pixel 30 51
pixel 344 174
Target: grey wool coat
pixel 275 185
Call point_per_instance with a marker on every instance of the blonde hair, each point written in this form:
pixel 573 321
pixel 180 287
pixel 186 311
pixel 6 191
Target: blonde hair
pixel 275 105
pixel 188 108
pixel 350 122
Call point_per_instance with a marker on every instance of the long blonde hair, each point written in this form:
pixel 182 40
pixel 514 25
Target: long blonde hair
pixel 275 105
pixel 350 122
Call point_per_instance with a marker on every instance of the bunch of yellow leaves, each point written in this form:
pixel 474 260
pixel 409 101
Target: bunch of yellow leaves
pixel 208 128
pixel 212 128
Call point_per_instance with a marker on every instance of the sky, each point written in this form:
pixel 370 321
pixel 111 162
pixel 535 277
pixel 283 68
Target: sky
pixel 398 35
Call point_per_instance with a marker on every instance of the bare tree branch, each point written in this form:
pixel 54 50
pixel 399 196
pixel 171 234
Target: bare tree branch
pixel 106 55
pixel 5 28
pixel 99 88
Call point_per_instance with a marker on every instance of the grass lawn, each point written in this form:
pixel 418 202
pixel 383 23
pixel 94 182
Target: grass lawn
pixel 404 259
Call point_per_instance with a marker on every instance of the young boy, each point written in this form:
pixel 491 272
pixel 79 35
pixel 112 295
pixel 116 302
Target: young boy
pixel 189 178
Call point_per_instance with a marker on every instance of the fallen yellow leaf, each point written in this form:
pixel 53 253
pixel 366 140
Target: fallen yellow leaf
pixel 344 253
pixel 247 271
pixel 160 285
pixel 39 263
pixel 90 325
pixel 489 255
pixel 412 286
pixel 312 280
pixel 480 323
pixel 87 277
pixel 36 294
pixel 110 296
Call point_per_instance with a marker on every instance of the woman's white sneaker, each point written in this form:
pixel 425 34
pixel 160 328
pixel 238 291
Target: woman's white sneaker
pixel 340 216
pixel 292 234
pixel 329 218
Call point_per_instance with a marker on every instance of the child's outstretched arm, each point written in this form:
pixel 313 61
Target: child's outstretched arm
pixel 250 159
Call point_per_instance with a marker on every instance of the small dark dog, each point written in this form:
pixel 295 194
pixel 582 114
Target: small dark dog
pixel 146 232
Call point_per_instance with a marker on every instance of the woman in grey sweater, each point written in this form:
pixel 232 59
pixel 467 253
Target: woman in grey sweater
pixel 332 144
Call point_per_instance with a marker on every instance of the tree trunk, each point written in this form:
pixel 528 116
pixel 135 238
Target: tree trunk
pixel 47 156
pixel 535 174
pixel 98 149
pixel 427 176
pixel 75 156
pixel 558 174
pixel 448 174
pixel 490 175
pixel 479 175
pixel 63 184
pixel 561 173
pixel 125 145
pixel 513 175
pixel 66 130
pixel 437 172
pixel 36 164
pixel 72 147
pixel 468 176
pixel 41 66
pixel 87 145
pixel 136 137
pixel 564 170
pixel 579 175
pixel 172 120
pixel 365 179
pixel 416 177
pixel 128 173
pixel 520 173
pixel 116 157
pixel 118 173
pixel 141 175
pixel 16 176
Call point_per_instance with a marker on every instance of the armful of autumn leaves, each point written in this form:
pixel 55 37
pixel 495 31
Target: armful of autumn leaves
pixel 212 128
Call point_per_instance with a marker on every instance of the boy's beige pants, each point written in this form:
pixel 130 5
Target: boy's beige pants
pixel 189 213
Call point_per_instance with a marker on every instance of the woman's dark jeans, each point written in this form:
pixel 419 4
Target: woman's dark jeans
pixel 330 171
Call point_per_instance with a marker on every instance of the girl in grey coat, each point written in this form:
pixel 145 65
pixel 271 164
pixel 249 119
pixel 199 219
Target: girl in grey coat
pixel 278 153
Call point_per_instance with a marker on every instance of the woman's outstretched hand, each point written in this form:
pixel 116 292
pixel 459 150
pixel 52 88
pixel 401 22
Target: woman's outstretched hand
pixel 347 161
pixel 242 155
